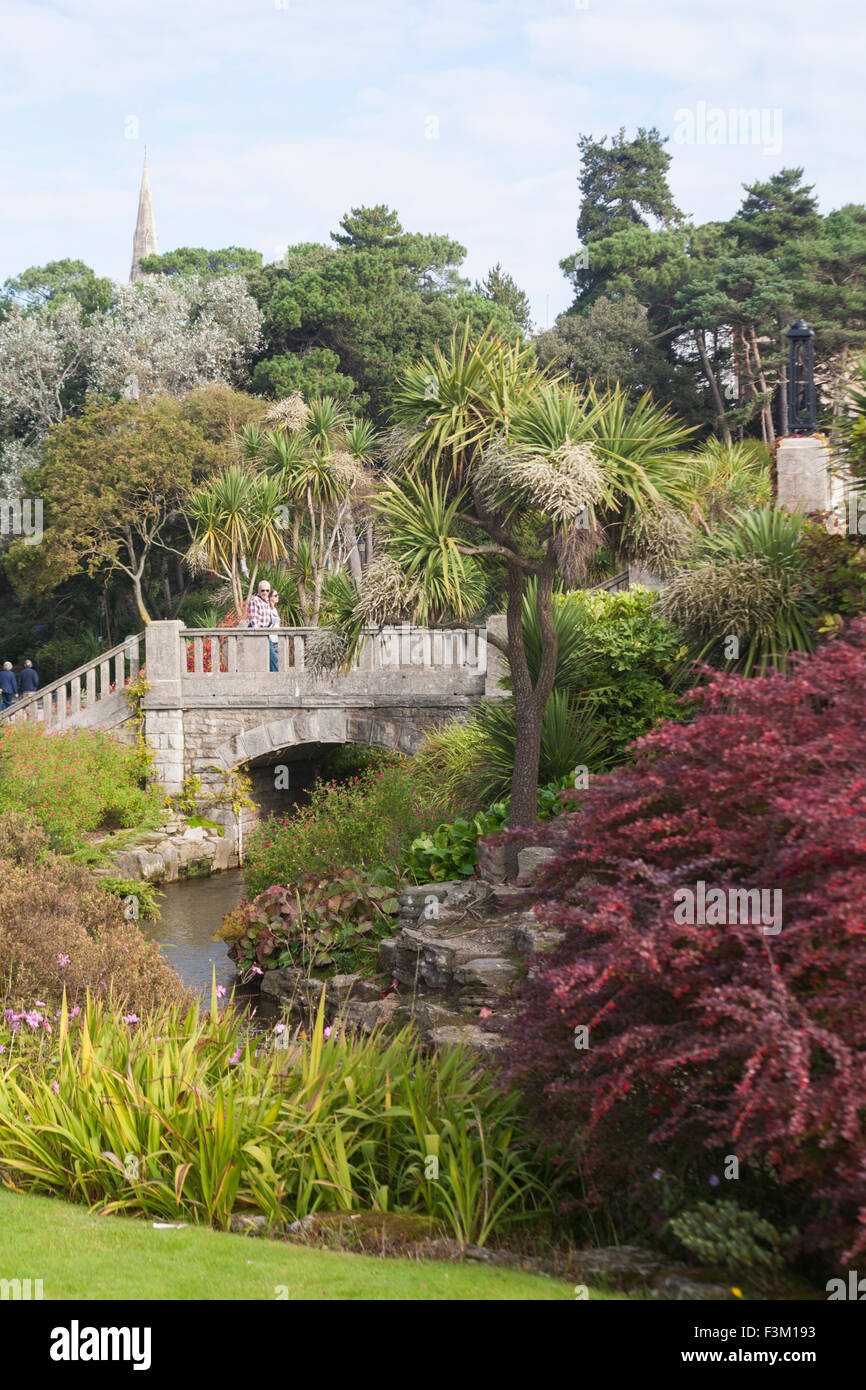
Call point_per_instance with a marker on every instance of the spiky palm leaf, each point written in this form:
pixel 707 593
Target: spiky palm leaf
pixel 747 583
pixel 570 738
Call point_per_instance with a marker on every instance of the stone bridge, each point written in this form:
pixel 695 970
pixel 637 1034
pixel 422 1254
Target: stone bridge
pixel 213 704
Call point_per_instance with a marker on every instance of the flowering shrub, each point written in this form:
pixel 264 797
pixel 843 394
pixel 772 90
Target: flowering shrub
pixel 314 923
pixel 366 822
pixel 703 1037
pixel 72 783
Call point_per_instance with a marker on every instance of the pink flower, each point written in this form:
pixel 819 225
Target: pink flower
pixel 130 1018
pixel 221 991
pixel 326 1034
pixel 62 959
pixel 55 1086
pixel 236 1056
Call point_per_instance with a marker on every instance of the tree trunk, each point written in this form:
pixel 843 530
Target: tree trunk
pixel 353 558
pixel 767 425
pixel 139 600
pixel 530 701
pixel 718 402
pixel 783 382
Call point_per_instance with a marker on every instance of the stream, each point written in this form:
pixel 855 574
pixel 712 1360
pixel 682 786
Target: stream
pixel 192 910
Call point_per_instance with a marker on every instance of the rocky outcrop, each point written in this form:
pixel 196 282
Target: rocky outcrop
pixel 177 850
pixel 450 968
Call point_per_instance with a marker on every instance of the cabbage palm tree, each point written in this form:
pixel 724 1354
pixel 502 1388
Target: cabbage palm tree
pixel 514 464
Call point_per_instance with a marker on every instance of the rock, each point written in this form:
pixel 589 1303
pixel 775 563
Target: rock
pixel 491 973
pixel 245 1225
pixel 388 955
pixel 491 862
pixel 169 856
pixel 679 1288
pixel 283 983
pixel 194 832
pixel 470 1035
pixel 127 862
pixel 530 860
pixel 152 865
pixel 623 1267
pixel 341 988
pixel 223 855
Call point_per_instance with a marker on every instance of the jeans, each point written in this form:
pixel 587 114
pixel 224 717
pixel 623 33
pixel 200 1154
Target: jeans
pixel 273 654
pixel 7 699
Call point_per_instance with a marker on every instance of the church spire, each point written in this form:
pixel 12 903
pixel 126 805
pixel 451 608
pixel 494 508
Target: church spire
pixel 145 242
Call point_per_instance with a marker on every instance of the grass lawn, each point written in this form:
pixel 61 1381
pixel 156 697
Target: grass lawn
pixel 83 1257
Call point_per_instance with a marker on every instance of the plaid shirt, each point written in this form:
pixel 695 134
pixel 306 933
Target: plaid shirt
pixel 259 612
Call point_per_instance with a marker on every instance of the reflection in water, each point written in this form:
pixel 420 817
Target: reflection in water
pixel 192 910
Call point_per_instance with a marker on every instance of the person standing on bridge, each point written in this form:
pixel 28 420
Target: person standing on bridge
pixel 8 685
pixel 259 610
pixel 28 681
pixel 274 622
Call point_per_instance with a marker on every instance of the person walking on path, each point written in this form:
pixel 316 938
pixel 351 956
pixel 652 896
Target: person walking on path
pixel 8 685
pixel 28 681
pixel 274 622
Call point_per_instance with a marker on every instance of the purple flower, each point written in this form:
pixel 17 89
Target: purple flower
pixel 62 959
pixel 657 1174
pixel 236 1056
pixel 279 1028
pixel 55 1086
pixel 326 1034
pixel 221 991
pixel 257 970
pixel 130 1018
pixel 33 1019
pixel 714 1181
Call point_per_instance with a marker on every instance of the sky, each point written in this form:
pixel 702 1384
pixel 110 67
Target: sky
pixel 265 120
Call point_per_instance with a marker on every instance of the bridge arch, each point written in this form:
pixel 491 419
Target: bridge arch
pixel 312 726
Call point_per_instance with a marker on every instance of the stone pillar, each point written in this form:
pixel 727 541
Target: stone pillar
pixel 497 666
pixel 163 703
pixel 805 477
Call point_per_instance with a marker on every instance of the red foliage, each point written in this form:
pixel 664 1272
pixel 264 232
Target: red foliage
pixel 231 619
pixel 717 1037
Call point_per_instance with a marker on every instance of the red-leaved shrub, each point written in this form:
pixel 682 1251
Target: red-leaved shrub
pixel 734 1037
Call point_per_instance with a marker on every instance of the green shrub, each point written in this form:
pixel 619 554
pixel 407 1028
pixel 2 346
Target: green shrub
pixel 187 1116
pixel 452 850
pixel 318 924
pixel 748 581
pixel 367 822
pixel 739 1241
pixel 73 783
pixel 619 666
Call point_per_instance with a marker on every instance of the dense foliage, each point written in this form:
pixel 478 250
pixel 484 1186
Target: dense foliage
pixel 716 1039
pixel 366 822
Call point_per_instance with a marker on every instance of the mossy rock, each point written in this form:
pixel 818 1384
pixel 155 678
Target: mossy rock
pixel 374 1232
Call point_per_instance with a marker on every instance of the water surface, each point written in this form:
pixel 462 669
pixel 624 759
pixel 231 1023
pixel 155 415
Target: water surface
pixel 192 910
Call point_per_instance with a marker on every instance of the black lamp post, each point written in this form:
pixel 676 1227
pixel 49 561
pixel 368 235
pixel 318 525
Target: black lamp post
pixel 801 379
